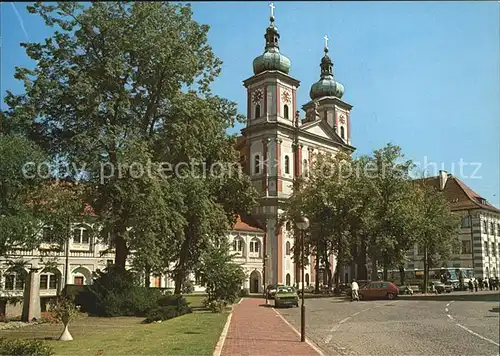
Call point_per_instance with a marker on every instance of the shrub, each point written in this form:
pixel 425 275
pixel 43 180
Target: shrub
pixel 223 278
pixel 62 309
pixel 169 306
pixel 244 292
pixel 116 292
pixel 187 287
pixel 215 306
pixel 17 347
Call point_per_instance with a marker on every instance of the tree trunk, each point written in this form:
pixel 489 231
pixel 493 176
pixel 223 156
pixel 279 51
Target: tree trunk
pixel 147 274
pixel 337 274
pixel 180 271
pixel 374 268
pixel 316 268
pixel 361 262
pixel 402 275
pixel 426 269
pixel 385 270
pixel 121 251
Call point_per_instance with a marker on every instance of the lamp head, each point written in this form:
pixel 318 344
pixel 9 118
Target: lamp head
pixel 302 223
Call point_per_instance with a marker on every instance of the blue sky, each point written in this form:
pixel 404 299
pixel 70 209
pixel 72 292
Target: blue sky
pixel 423 75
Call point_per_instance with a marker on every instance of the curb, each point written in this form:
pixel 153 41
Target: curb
pixel 222 338
pixel 313 346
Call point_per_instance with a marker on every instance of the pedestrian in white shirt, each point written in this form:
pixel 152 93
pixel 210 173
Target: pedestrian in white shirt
pixel 354 290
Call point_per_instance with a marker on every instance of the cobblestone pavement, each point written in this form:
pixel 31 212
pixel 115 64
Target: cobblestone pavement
pixel 406 326
pixel 256 329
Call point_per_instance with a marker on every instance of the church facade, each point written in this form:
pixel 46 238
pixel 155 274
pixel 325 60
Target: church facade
pixel 277 145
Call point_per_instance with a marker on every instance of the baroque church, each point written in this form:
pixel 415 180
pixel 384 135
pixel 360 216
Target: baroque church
pixel 277 145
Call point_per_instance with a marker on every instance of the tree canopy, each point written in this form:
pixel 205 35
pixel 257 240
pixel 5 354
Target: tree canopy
pixel 120 94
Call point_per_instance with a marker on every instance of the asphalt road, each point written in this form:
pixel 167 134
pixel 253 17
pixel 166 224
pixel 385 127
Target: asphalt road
pixel 450 324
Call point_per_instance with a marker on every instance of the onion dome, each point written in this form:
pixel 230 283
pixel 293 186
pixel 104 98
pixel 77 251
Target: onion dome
pixel 326 86
pixel 271 59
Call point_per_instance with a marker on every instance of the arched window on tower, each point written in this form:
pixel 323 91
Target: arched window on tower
pixel 287 165
pixel 342 132
pixel 257 111
pixel 256 169
pixel 285 112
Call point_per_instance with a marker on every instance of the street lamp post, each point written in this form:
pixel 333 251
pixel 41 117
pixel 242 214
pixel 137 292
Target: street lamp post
pixel 264 276
pixel 302 224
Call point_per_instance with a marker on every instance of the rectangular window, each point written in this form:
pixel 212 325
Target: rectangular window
pixel 485 227
pixel 9 281
pixel 53 282
pixel 466 247
pixel 492 228
pixel 85 237
pixel 251 247
pixel 486 248
pixel 466 221
pixel 77 236
pixel 19 282
pixel 44 281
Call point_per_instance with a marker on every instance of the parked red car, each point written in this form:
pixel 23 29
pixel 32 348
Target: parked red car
pixel 379 289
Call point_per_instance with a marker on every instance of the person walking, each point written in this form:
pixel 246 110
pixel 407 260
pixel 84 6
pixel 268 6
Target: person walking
pixel 475 285
pixel 496 283
pixel 354 290
pixel 486 284
pixel 481 285
pixel 471 286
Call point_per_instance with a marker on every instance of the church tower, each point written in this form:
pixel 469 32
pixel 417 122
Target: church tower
pixel 326 100
pixel 268 139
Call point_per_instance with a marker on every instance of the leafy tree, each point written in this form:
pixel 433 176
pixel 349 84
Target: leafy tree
pixel 223 278
pixel 389 182
pixel 437 230
pixel 117 91
pixel 29 202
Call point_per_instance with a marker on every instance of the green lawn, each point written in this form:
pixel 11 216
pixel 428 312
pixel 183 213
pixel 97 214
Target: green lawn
pixel 190 334
pixel 195 300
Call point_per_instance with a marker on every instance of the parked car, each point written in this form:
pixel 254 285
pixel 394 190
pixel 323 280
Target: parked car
pixel 440 287
pixel 379 289
pixel 271 290
pixel 361 284
pixel 286 296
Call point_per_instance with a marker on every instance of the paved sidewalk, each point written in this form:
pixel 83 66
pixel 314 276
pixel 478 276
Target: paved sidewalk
pixel 257 330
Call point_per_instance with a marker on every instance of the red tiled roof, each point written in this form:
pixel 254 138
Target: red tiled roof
pixel 460 196
pixel 241 225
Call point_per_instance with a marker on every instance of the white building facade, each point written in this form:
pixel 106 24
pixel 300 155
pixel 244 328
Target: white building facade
pixel 479 232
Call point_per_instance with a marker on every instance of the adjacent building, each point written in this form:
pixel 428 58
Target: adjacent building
pixel 479 231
